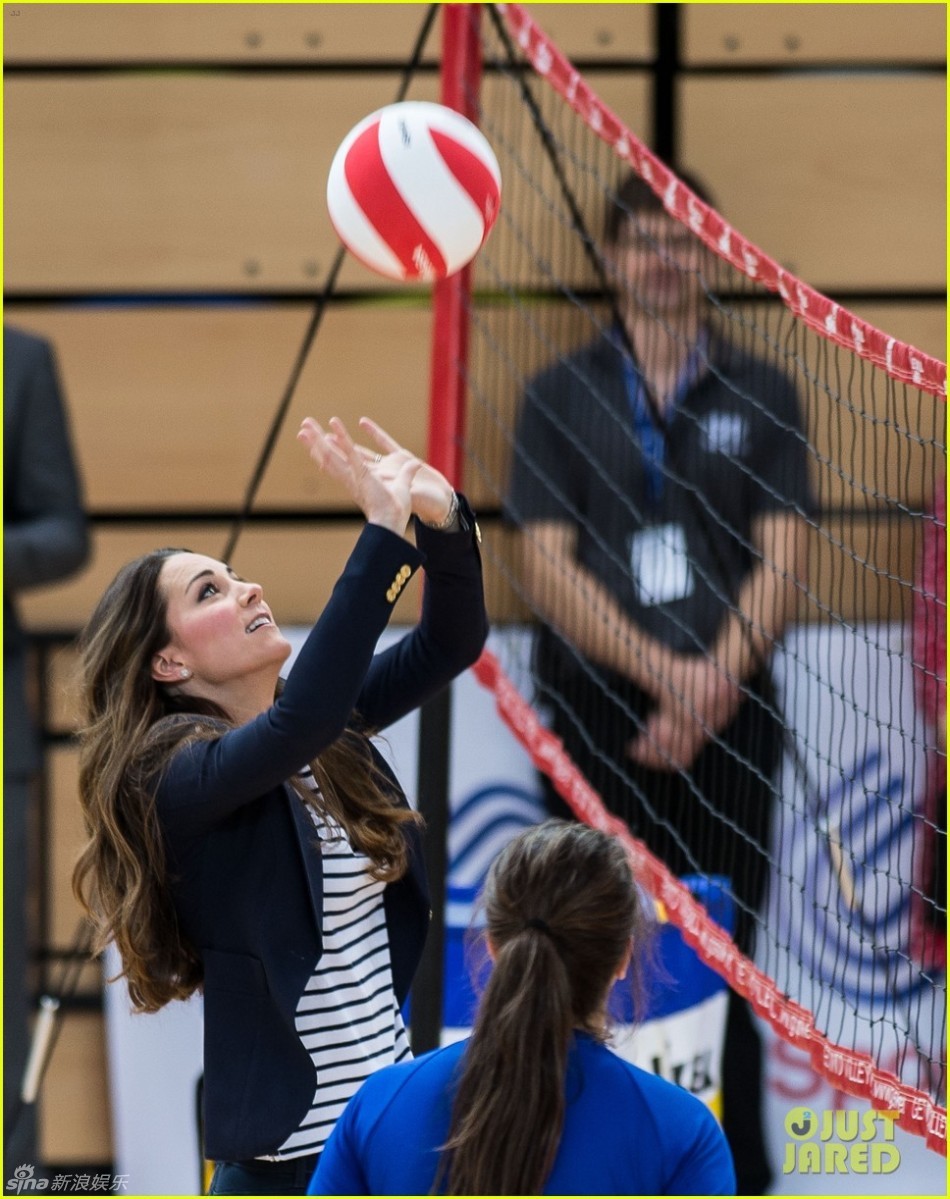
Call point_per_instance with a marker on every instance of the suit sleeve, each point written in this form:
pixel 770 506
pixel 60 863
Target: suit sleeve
pixel 45 534
pixel 451 632
pixel 208 780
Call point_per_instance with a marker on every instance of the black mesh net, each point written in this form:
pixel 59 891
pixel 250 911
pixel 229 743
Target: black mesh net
pixel 719 570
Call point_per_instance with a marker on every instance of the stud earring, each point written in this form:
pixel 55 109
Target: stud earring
pixel 184 673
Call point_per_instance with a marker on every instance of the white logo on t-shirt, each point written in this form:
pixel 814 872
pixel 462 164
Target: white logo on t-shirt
pixel 724 433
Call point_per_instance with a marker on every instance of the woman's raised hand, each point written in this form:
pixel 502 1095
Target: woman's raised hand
pixel 381 483
pixel 431 491
pixel 362 469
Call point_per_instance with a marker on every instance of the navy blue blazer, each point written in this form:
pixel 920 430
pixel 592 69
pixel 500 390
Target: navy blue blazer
pixel 246 865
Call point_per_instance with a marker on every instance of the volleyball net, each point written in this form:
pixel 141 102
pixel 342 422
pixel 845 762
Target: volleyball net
pixel 720 573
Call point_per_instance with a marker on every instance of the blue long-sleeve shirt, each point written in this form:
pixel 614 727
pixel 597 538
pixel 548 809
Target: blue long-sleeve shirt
pixel 626 1132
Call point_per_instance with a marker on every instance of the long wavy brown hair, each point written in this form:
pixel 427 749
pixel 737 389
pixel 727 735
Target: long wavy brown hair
pixel 132 727
pixel 562 909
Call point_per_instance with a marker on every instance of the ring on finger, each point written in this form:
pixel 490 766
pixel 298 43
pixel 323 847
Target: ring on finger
pixel 377 459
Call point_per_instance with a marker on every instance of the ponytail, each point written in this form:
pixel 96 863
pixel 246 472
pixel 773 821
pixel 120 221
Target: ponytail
pixel 509 1109
pixel 561 910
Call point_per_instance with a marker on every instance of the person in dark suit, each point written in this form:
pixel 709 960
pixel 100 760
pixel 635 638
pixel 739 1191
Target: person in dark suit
pixel 44 539
pixel 245 835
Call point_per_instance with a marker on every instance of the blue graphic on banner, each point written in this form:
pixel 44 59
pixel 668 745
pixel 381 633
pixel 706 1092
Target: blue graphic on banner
pixel 481 825
pixel 852 858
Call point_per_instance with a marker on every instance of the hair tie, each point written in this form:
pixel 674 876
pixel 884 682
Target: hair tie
pixel 541 925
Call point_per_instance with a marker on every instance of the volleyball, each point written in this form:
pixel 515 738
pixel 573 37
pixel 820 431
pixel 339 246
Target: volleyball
pixel 413 191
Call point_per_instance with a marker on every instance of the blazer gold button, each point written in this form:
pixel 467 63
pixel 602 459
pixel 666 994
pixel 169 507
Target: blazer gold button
pixel 405 573
pixel 391 595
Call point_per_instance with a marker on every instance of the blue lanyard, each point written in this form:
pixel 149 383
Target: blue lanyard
pixel 652 438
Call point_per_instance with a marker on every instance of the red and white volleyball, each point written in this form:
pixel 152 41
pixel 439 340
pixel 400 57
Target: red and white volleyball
pixel 414 190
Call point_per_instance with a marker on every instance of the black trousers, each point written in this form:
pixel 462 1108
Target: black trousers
pixel 713 819
pixel 291 1177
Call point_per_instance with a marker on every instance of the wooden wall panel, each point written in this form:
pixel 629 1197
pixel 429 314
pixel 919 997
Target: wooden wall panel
pixel 216 182
pixel 501 560
pixel 839 178
pixel 789 33
pixel 594 31
pixel 75 1113
pixel 296 565
pixel 175 415
pixel 858 569
pixel 178 181
pixel 215 32
pixel 291 32
pixel 67 838
pixel 877 448
pixel 629 95
pixel 861 570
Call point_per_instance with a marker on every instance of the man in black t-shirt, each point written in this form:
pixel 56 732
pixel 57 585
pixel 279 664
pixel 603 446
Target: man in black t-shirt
pixel 661 499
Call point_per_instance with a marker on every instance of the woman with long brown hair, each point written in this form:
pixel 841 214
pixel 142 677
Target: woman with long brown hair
pixel 245 837
pixel 534 1103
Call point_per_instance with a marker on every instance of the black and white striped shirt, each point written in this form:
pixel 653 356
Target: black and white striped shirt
pixel 347 1018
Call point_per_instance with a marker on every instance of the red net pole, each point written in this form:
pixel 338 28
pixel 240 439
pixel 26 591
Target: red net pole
pixel 461 70
pixel 461 74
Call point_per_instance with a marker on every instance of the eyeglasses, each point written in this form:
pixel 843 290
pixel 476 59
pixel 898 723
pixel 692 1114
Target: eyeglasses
pixel 657 240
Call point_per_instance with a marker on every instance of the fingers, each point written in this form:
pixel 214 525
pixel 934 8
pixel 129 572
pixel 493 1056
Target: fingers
pixel 314 439
pixel 321 446
pixel 337 453
pixel 309 432
pixel 387 444
pixel 407 473
pixel 339 437
pixel 345 443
